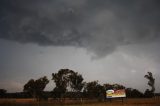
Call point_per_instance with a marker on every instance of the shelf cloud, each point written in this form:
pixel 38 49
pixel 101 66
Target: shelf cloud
pixel 100 27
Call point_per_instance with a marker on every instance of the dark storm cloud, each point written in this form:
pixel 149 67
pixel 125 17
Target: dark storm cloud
pixel 98 26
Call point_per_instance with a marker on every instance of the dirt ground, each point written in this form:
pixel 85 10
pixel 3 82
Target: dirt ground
pixel 114 102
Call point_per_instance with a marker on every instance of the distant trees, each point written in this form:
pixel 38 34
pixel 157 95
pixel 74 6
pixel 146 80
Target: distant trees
pixel 133 93
pixel 69 83
pixel 2 93
pixel 148 93
pixel 36 87
pixel 94 90
pixel 113 86
pixel 151 82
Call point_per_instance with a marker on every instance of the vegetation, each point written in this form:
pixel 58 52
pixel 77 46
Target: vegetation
pixel 70 84
pixel 76 82
pixel 67 78
pixel 36 87
pixel 151 82
pixel 61 80
pixel 133 93
pixel 2 93
pixel 94 90
pixel 113 86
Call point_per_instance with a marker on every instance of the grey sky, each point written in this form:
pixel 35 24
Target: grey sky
pixel 111 41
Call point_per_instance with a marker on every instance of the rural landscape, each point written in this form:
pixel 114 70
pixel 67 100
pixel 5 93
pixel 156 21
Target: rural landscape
pixel 70 89
pixel 79 53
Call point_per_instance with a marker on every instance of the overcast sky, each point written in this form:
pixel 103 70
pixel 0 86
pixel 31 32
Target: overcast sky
pixel 113 41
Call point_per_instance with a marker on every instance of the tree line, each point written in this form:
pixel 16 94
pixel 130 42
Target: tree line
pixel 70 84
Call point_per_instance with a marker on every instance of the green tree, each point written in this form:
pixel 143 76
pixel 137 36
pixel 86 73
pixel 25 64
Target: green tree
pixel 151 82
pixel 36 87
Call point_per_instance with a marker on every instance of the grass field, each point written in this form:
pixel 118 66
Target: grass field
pixel 126 102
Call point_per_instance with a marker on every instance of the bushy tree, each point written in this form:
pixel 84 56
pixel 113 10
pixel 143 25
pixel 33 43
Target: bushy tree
pixel 133 93
pixel 94 90
pixel 148 93
pixel 113 86
pixel 36 87
pixel 66 78
pixel 76 82
pixel 61 80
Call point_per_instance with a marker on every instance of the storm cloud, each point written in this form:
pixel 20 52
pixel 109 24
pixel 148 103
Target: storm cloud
pixel 100 27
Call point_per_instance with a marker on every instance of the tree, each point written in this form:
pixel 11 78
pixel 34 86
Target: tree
pixel 113 86
pixel 151 82
pixel 76 82
pixel 133 93
pixel 148 93
pixel 94 90
pixel 66 78
pixel 36 87
pixel 2 93
pixel 61 80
